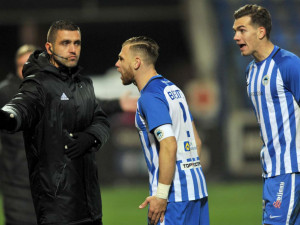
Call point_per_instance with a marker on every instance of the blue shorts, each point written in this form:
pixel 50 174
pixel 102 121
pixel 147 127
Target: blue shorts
pixel 281 200
pixel 187 213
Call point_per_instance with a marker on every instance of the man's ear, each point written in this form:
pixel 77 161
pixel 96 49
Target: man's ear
pixel 261 32
pixel 48 47
pixel 137 63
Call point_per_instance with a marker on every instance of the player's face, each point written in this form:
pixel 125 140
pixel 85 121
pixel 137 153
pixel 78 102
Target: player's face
pixel 246 35
pixel 124 66
pixel 20 63
pixel 66 48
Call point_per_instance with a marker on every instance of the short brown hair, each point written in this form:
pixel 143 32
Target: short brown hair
pixel 145 45
pixel 60 25
pixel 258 14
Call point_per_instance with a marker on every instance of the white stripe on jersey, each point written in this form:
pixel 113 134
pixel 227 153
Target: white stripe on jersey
pixel 147 153
pixel 177 185
pixel 286 126
pixel 204 184
pixel 155 162
pixel 199 184
pixel 189 180
pixel 252 90
pixel 292 200
pixel 272 117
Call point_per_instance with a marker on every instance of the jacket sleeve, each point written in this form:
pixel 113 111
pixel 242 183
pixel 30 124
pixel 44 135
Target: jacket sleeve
pixel 110 106
pixel 99 127
pixel 27 105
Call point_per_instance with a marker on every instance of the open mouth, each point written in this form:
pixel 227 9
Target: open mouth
pixel 242 45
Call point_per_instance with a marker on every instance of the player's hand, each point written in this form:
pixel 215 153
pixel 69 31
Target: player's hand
pixel 157 208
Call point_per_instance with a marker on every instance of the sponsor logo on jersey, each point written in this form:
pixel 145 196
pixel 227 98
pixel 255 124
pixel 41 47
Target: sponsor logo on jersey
pixel 265 80
pixel 279 195
pixel 190 165
pixel 256 93
pixel 187 146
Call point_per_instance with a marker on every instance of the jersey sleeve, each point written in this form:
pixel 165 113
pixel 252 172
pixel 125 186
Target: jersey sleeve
pixel 155 109
pixel 291 76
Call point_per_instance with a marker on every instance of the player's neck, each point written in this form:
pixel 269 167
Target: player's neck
pixel 143 78
pixel 263 51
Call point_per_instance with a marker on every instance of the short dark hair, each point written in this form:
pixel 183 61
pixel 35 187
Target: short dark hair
pixel 145 45
pixel 258 14
pixel 60 25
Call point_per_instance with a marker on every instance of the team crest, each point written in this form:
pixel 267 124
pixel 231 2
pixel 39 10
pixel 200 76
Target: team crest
pixel 159 134
pixel 187 146
pixel 265 80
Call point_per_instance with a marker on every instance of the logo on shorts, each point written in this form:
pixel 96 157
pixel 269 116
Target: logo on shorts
pixel 272 217
pixel 187 146
pixel 279 195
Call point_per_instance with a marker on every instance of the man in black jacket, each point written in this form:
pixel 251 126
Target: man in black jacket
pixel 18 207
pixel 63 127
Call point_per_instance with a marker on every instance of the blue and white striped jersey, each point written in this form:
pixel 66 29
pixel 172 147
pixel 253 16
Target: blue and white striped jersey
pixel 274 90
pixel 162 102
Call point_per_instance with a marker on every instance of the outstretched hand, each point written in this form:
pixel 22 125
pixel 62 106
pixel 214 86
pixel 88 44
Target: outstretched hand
pixel 157 208
pixel 7 121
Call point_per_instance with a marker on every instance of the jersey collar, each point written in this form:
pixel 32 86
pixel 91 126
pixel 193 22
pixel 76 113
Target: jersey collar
pixel 158 76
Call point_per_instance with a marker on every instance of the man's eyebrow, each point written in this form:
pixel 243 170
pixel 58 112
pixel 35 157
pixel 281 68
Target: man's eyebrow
pixel 65 40
pixel 239 27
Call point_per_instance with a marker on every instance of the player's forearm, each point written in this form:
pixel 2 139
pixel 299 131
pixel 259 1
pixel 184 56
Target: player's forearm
pixel 197 139
pixel 167 160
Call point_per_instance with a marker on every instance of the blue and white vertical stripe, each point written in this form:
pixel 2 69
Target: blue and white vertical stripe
pixel 274 87
pixel 162 102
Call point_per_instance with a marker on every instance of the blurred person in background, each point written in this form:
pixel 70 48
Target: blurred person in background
pixel 63 127
pixel 273 85
pixel 17 200
pixel 171 145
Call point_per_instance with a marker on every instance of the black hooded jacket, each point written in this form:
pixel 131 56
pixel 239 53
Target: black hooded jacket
pixel 51 104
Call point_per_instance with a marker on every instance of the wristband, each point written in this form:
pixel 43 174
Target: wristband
pixel 162 191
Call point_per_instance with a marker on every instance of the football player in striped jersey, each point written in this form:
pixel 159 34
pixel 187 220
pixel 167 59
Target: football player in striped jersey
pixel 170 142
pixel 273 85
